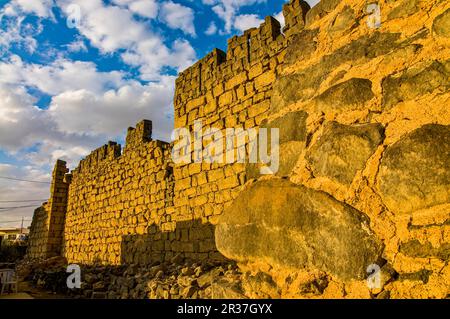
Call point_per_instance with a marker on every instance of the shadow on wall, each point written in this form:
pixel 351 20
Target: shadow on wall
pixel 192 240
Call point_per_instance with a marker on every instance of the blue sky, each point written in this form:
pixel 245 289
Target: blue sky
pixel 76 73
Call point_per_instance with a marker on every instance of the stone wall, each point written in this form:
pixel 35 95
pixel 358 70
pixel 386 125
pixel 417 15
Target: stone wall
pixel 47 228
pixel 227 90
pixel 140 207
pixel 364 179
pixel 364 151
pixel 113 195
pixel 37 244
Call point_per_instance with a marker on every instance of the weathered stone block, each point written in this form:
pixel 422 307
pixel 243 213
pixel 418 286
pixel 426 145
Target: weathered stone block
pixel 404 9
pixel 302 46
pixel 344 20
pixel 292 138
pixel 413 83
pixel 301 86
pixel 415 248
pixel 320 10
pixel 348 95
pixel 342 150
pixel 280 223
pixel 292 126
pixel 414 172
pixel 441 25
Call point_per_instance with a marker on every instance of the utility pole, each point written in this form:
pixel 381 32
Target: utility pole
pixel 21 227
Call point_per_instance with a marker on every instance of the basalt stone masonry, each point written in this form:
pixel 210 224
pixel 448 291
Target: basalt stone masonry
pixel 363 186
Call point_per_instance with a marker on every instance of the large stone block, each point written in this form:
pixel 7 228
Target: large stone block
pixel 302 46
pixel 404 9
pixel 441 25
pixel 414 172
pixel 416 82
pixel 344 20
pixel 342 150
pixel 302 86
pixel 292 138
pixel 279 223
pixel 416 249
pixel 292 126
pixel 348 95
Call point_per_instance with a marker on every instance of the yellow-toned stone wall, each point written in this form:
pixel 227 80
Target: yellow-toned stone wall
pixel 47 227
pixel 137 206
pixel 365 107
pixel 363 117
pixel 37 242
pixel 228 90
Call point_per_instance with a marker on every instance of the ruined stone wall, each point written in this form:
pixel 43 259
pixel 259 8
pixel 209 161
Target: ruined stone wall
pixel 362 108
pixel 113 195
pixel 37 242
pixel 227 90
pixel 364 116
pixel 47 228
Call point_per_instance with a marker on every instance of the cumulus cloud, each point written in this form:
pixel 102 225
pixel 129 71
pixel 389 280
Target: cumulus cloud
pixel 21 123
pixel 115 109
pixel 24 125
pixel 13 30
pixel 177 16
pixel 87 107
pixel 144 8
pixel 40 8
pixel 77 46
pixel 247 21
pixel 212 29
pixel 98 107
pixel 57 77
pixel 228 10
pixel 113 29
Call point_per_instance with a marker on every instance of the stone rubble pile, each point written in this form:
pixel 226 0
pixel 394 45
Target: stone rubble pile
pixel 178 279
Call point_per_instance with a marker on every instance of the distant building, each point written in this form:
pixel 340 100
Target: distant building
pixel 9 235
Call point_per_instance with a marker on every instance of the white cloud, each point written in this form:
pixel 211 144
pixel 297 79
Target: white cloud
pixel 77 46
pixel 40 8
pixel 212 29
pixel 114 29
pixel 144 8
pixel 14 30
pixel 114 110
pixel 247 21
pixel 97 107
pixel 59 76
pixel 228 10
pixel 21 123
pixel 177 16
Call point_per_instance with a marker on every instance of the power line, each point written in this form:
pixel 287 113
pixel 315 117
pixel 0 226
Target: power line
pixel 23 180
pixel 7 209
pixel 23 201
pixel 14 221
pixel 15 207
